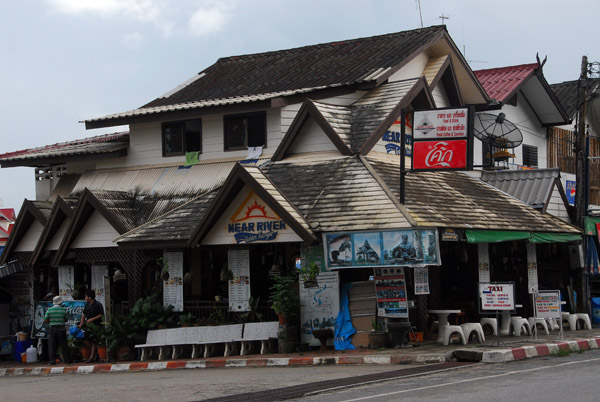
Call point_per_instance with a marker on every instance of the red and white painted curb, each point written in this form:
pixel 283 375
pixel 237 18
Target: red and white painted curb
pixel 528 352
pixel 493 356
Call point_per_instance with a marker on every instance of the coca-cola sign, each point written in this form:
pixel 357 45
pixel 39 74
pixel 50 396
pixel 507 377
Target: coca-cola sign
pixel 451 154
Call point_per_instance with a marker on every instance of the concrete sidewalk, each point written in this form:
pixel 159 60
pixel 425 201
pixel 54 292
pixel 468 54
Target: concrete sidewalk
pixel 510 349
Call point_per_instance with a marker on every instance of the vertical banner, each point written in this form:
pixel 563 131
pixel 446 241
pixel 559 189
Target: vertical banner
pixel 390 287
pixel 173 287
pixel 483 254
pixel 98 274
pixel 319 306
pixel 421 275
pixel 66 284
pixel 532 273
pixel 239 286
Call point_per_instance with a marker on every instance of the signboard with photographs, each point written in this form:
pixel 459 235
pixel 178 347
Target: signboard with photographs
pixel 390 248
pixel 390 287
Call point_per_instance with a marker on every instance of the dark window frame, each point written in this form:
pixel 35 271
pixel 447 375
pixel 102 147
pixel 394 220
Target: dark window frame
pixel 187 143
pixel 255 121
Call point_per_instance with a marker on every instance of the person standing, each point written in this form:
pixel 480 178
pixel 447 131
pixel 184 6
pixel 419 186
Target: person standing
pixel 56 317
pixel 92 313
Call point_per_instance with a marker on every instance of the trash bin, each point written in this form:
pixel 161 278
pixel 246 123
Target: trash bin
pixel 596 310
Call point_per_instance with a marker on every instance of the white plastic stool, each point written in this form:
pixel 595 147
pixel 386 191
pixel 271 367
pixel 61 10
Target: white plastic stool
pixel 586 320
pixel 492 322
pixel 552 323
pixel 571 319
pixel 518 323
pixel 469 327
pixel 451 329
pixel 535 321
pixel 504 323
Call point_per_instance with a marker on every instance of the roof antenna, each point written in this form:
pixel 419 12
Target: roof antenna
pixel 442 17
pixel 420 14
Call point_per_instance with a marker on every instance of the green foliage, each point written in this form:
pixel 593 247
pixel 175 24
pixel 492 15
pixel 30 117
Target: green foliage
pixel 217 317
pixel 376 326
pixel 283 297
pixel 310 273
pixel 253 315
pixel 163 265
pixel 96 333
pixel 188 318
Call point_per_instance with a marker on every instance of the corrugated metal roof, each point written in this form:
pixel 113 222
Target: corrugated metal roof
pixel 530 186
pixel 92 145
pixel 501 83
pixel 566 92
pixel 170 180
pixel 264 76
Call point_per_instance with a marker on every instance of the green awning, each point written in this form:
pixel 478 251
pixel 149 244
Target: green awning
pixel 494 236
pixel 590 225
pixel 554 237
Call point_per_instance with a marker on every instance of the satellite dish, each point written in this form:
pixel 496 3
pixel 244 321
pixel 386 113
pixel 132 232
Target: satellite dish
pixel 497 131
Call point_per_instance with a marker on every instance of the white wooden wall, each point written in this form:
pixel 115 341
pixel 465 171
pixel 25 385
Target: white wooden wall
pixel 97 232
pixel 54 243
pixel 311 138
pixel 557 207
pixel 30 240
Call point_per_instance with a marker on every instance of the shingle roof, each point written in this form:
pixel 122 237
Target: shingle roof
pixel 264 76
pixel 501 83
pixel 530 186
pixel 566 92
pixel 101 144
pixel 178 224
pixel 455 199
pixel 336 195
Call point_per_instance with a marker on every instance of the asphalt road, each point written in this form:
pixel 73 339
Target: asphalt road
pixel 547 379
pixel 574 378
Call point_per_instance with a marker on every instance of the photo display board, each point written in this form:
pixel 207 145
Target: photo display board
pixel 497 296
pixel 390 287
pixel 390 248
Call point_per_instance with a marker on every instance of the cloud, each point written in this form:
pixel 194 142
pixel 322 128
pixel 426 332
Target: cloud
pixel 209 18
pixel 168 16
pixel 133 40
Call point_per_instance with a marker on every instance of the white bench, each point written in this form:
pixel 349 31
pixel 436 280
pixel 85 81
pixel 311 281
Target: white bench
pixel 206 339
pixel 258 331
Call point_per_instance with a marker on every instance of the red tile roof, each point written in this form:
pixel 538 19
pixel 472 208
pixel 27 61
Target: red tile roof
pixel 501 83
pixel 7 214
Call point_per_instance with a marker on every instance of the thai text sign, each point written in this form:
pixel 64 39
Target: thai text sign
pixel 390 248
pixel 547 304
pixel 442 123
pixel 497 296
pixel 440 154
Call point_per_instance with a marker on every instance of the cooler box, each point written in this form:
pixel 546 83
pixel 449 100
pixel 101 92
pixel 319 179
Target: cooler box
pixel 596 310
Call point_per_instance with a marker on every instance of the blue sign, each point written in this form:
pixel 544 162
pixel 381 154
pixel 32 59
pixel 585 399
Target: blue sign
pixel 570 190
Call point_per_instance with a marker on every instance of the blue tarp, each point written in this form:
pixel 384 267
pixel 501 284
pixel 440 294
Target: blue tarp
pixel 343 323
pixel 591 257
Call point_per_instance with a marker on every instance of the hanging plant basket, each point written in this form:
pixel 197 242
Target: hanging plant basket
pixel 311 283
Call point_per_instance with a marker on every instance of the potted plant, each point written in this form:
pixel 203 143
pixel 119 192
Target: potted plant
pixel 309 275
pixel 283 298
pixel 377 336
pixel 187 320
pixel 253 315
pixel 120 337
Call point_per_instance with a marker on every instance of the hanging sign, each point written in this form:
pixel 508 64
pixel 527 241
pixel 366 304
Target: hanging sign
pixel 390 287
pixel 66 277
pixel 443 139
pixel 238 262
pixel 421 275
pixel 173 287
pixel 98 274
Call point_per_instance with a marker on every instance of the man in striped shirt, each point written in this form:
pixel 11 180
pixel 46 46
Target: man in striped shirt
pixel 56 316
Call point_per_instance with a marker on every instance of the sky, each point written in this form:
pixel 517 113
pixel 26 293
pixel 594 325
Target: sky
pixel 64 61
